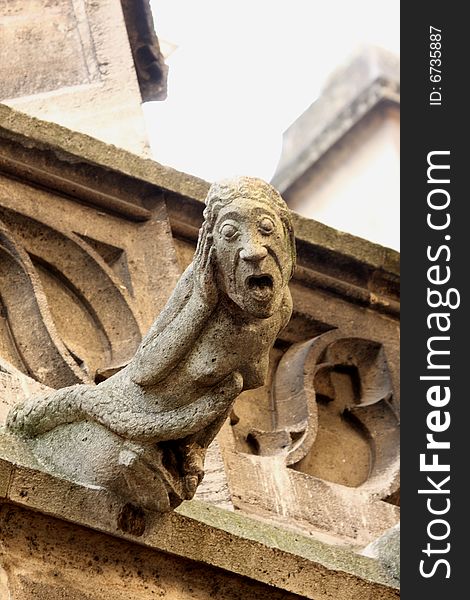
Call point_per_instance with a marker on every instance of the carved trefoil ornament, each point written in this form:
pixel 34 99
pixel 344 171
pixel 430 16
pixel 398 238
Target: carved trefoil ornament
pixel 333 440
pixel 304 383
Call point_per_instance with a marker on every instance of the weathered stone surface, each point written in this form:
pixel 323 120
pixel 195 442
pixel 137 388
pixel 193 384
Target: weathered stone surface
pixel 311 386
pixel 143 432
pixel 15 386
pixel 58 158
pixel 47 559
pixel 386 549
pixel 214 487
pixel 44 46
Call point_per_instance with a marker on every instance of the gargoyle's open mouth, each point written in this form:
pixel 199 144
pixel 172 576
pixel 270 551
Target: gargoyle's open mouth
pixel 260 285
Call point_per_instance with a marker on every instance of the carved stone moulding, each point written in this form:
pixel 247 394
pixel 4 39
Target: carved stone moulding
pixel 86 297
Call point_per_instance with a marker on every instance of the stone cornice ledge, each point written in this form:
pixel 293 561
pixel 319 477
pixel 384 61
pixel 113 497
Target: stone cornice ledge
pixel 68 148
pixel 55 155
pixel 200 532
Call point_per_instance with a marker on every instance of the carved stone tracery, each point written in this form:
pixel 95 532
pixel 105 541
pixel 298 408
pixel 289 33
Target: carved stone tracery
pixel 304 386
pixel 68 287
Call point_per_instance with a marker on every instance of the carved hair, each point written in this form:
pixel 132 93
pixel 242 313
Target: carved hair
pixel 226 191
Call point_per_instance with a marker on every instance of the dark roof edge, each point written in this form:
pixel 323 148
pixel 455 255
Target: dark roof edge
pixel 149 63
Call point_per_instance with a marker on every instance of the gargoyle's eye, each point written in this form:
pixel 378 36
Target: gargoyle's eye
pixel 229 231
pixel 266 226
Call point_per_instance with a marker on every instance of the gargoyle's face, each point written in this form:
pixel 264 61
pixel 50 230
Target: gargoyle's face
pixel 253 256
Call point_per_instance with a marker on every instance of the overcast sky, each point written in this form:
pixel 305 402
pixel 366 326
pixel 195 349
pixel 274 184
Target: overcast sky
pixel 244 70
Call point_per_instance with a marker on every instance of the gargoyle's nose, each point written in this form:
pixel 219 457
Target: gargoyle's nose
pixel 254 252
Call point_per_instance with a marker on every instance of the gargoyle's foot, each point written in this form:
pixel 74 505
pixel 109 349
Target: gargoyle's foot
pixel 193 467
pixel 178 465
pixel 155 477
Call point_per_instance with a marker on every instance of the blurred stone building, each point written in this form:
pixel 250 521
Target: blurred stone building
pixel 340 158
pixel 301 489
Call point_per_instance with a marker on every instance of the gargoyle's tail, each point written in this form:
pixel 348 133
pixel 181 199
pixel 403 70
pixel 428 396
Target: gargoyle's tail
pixel 40 414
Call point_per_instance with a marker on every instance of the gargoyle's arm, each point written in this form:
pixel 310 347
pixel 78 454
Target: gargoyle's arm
pixel 162 350
pixel 175 331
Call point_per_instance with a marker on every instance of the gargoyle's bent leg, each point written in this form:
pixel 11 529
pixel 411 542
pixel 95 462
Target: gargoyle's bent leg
pixel 159 426
pixel 38 415
pixel 78 403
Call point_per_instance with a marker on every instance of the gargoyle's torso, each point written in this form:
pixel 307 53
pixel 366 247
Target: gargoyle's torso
pixel 228 343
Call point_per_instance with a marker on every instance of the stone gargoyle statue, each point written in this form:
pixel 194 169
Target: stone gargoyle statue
pixel 143 433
